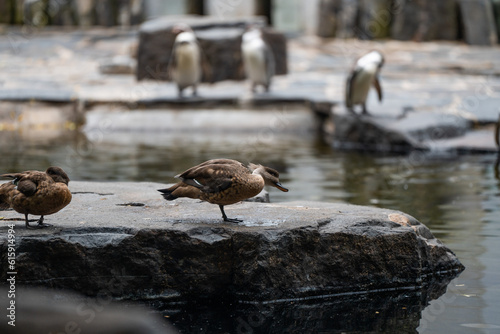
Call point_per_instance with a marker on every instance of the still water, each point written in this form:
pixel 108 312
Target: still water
pixel 457 197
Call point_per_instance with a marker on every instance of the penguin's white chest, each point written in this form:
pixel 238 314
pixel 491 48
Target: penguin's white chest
pixel 361 86
pixel 255 62
pixel 188 70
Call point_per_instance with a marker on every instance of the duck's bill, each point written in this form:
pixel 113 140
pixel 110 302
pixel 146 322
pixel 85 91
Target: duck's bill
pixel 280 187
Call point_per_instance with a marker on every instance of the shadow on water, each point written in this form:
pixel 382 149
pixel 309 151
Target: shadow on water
pixel 388 311
pixel 381 311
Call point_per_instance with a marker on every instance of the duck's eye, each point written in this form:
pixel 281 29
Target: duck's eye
pixel 273 173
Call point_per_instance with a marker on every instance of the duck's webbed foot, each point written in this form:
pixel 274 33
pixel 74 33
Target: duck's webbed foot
pixel 233 220
pixel 229 220
pixel 40 224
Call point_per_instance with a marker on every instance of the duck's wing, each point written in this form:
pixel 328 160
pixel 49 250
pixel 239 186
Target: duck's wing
pixel 27 182
pixel 12 176
pixel 227 163
pixel 210 180
pixel 214 175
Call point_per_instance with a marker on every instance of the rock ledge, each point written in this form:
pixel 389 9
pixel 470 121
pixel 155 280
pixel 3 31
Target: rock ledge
pixel 106 243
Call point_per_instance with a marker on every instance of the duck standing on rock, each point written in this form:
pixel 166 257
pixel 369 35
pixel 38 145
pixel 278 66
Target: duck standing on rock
pixel 258 59
pixel 185 62
pixel 223 182
pixel 36 193
pixel 363 75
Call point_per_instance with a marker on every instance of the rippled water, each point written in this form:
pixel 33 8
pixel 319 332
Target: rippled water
pixel 457 197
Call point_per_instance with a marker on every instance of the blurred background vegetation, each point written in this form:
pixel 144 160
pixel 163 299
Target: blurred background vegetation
pixel 473 21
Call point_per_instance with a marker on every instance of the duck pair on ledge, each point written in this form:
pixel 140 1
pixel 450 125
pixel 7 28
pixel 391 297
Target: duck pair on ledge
pixel 218 181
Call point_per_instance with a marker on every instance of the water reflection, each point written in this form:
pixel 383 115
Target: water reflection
pixel 383 312
pixel 456 197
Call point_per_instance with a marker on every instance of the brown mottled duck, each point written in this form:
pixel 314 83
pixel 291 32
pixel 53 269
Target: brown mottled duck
pixel 36 193
pixel 223 182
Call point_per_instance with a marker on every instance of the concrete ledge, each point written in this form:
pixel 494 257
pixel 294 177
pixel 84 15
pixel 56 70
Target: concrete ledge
pixel 123 238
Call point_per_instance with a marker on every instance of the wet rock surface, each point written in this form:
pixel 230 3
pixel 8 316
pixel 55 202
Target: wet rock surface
pixel 125 240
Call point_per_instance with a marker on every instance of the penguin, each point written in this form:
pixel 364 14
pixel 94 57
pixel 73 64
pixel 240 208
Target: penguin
pixel 258 59
pixel 185 62
pixel 363 75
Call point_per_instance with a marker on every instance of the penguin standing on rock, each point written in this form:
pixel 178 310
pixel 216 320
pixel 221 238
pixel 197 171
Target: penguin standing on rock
pixel 364 74
pixel 258 59
pixel 185 62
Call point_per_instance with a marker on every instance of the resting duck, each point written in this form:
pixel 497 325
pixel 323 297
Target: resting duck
pixel 223 182
pixel 185 62
pixel 36 193
pixel 363 75
pixel 258 59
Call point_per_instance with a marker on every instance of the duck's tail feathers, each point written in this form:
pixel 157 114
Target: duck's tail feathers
pixel 11 176
pixel 167 194
pixel 180 189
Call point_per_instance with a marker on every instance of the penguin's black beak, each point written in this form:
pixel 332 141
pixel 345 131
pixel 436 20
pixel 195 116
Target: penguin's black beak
pixel 280 187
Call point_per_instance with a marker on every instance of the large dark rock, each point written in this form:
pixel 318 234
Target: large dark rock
pixel 123 240
pixel 411 130
pixel 479 22
pixel 220 40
